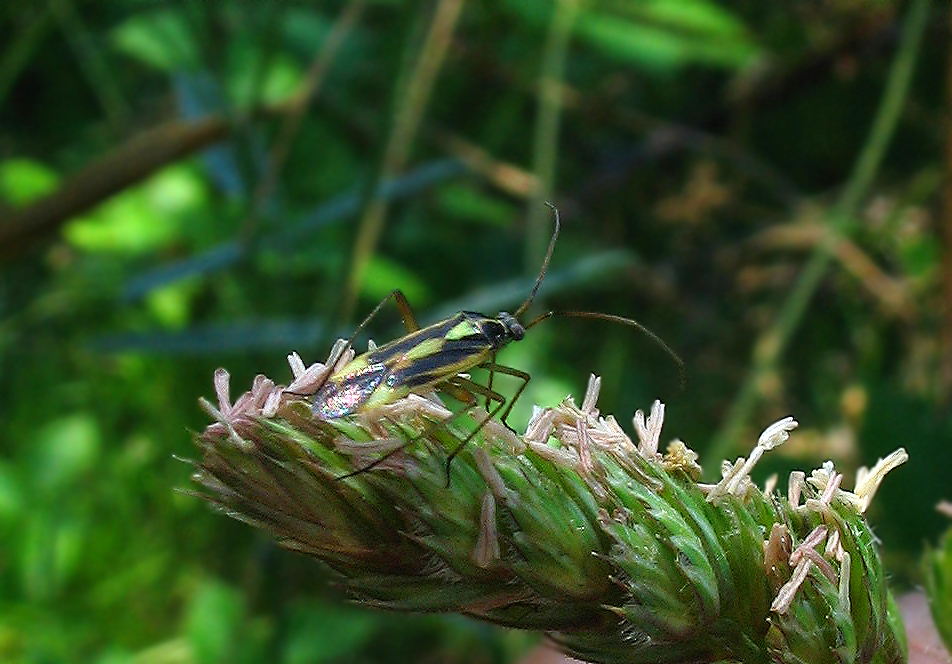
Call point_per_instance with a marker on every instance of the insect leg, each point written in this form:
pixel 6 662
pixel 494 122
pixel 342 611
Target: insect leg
pixel 490 397
pixel 459 392
pixel 489 382
pixel 464 390
pixel 406 314
pixel 509 371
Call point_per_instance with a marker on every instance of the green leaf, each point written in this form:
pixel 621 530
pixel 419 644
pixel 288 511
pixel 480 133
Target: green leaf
pixel 534 12
pixel 664 35
pixel 171 305
pixel 699 16
pixel 319 633
pixel 213 623
pixel 937 565
pixel 281 79
pixel 161 39
pixel 465 201
pixel 302 28
pixel 11 494
pixel 50 546
pixel 63 450
pixel 383 275
pixel 144 218
pixel 23 181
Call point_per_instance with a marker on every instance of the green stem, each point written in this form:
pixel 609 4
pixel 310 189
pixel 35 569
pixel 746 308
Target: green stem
pixel 91 61
pixel 546 140
pixel 409 113
pixel 20 48
pixel 298 104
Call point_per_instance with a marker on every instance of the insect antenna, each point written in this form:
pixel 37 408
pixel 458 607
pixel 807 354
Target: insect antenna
pixel 545 264
pixel 622 320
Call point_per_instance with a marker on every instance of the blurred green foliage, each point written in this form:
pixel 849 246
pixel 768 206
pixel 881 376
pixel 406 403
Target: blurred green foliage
pixel 701 146
pixel 937 570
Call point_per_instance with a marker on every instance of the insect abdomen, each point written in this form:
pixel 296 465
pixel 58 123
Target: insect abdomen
pixel 452 358
pixel 345 395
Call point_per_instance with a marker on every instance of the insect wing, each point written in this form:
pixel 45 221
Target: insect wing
pixel 344 394
pixel 418 361
pixel 435 353
pixel 452 357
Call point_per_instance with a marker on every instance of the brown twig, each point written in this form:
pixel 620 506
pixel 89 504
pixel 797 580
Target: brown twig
pixel 503 175
pixel 146 153
pixel 119 169
pixel 945 221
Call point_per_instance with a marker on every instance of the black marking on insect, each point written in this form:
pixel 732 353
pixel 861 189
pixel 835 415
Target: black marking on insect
pixel 435 357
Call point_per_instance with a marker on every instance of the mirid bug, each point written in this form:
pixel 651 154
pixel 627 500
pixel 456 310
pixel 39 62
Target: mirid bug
pixel 435 356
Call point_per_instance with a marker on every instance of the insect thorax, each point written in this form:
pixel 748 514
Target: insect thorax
pixel 494 332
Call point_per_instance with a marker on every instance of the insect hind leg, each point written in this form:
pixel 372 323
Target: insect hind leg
pixel 406 315
pixel 459 393
pixel 491 396
pixel 464 390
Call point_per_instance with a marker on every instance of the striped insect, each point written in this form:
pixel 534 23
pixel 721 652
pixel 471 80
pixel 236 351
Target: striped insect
pixel 437 356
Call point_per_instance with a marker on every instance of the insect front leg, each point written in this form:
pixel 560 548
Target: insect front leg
pixel 489 382
pixel 491 396
pixel 509 371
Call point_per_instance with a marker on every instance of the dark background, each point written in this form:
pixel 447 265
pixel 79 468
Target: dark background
pixel 188 185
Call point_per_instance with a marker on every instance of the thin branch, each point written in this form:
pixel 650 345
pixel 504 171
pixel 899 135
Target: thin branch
pixel 505 176
pixel 891 293
pixel 151 150
pixel 119 169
